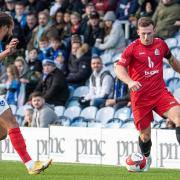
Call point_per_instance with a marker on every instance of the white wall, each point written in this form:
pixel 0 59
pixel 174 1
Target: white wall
pixel 94 145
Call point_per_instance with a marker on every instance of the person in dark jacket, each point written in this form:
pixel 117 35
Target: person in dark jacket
pixel 94 30
pixel 53 85
pixel 79 63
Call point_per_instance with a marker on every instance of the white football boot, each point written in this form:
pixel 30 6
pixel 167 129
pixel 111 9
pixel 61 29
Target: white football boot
pixel 148 163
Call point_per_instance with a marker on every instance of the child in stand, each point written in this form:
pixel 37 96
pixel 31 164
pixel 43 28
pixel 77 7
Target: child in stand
pixel 12 85
pixel 58 53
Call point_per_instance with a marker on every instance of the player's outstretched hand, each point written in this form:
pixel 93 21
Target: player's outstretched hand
pixel 134 86
pixel 12 45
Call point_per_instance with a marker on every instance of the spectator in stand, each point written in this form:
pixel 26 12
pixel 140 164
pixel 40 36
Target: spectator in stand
pixel 114 40
pixel 126 8
pixel 165 17
pixel 121 95
pixel 29 79
pixel 40 31
pixel 33 62
pixel 36 6
pixel 102 6
pixel 79 68
pixel 20 14
pixel 94 29
pixel 75 23
pixel 28 113
pixel 58 53
pixel 53 85
pixel 12 85
pixel 57 4
pixel 89 8
pixel 43 114
pixel 57 27
pixel 146 8
pixel 43 50
pixel 76 6
pixel 9 7
pixel 31 24
pixel 67 24
pixel 101 85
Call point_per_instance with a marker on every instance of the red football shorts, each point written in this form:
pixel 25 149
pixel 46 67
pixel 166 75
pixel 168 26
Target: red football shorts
pixel 143 115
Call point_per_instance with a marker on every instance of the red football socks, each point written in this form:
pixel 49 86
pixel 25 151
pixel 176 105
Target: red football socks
pixel 18 143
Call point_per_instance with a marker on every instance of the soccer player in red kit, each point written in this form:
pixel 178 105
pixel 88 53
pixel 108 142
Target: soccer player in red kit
pixel 144 60
pixel 8 124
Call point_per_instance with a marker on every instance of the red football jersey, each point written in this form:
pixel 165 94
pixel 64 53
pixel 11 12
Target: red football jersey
pixel 145 64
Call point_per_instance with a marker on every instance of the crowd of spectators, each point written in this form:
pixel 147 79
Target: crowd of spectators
pixel 67 43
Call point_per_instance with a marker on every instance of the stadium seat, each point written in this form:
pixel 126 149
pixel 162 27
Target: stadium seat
pixel 105 114
pixel 123 113
pixel 114 123
pixel 81 91
pixel 171 42
pixel 72 112
pixel 173 84
pixel 129 123
pixel 89 112
pixel 177 94
pixel 168 73
pixel 69 114
pixel 165 63
pixel 95 124
pixel 157 117
pixel 79 122
pixel 59 110
pixel 175 52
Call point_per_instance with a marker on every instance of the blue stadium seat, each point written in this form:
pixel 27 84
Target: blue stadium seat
pixel 114 123
pixel 59 110
pixel 123 113
pixel 171 42
pixel 177 94
pixel 173 84
pixel 168 73
pixel 81 91
pixel 105 114
pixel 69 114
pixel 89 112
pixel 129 123
pixel 79 122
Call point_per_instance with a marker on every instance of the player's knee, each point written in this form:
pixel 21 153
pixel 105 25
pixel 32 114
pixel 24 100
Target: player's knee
pixel 145 137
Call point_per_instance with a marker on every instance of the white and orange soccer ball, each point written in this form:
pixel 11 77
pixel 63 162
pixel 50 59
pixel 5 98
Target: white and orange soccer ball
pixel 136 162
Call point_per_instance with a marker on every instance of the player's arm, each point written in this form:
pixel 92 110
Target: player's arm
pixel 121 73
pixel 10 49
pixel 175 64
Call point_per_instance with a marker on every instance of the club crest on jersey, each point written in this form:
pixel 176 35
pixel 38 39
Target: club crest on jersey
pixel 157 52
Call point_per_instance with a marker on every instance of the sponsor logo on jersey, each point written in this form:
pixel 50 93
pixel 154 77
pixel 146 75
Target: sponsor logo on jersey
pixel 2 103
pixel 151 73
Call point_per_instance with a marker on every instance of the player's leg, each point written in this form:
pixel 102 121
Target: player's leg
pixel 3 132
pixel 145 141
pixel 143 118
pixel 18 142
pixel 174 114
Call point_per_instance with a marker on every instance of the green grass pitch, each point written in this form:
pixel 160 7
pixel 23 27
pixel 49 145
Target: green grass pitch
pixel 16 171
